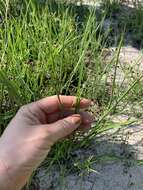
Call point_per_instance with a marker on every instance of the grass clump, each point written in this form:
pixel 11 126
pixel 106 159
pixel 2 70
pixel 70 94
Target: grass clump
pixel 43 53
pixel 48 48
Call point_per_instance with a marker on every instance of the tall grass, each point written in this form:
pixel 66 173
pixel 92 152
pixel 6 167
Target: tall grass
pixel 43 52
pixel 45 49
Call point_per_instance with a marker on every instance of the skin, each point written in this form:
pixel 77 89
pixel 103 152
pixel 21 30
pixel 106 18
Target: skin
pixel 30 135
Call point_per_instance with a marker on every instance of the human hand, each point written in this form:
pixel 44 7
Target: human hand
pixel 31 133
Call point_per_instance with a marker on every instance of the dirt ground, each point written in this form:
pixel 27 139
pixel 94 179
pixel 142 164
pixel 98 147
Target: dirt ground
pixel 116 169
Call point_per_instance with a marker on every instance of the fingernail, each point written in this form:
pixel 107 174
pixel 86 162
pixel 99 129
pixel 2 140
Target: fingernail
pixel 82 101
pixel 87 121
pixel 86 101
pixel 90 120
pixel 76 119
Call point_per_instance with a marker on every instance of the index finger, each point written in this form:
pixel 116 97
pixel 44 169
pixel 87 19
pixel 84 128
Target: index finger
pixel 53 103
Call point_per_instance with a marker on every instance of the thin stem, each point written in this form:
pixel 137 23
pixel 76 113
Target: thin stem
pixel 94 132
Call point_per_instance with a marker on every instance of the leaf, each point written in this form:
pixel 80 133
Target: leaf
pixel 11 88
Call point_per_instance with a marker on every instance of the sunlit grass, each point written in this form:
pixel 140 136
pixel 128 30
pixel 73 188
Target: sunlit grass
pixel 48 49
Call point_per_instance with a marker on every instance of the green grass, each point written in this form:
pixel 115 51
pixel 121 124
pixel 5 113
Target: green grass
pixel 43 53
pixel 50 48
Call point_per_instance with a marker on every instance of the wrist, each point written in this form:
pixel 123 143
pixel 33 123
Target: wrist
pixel 5 179
pixel 11 174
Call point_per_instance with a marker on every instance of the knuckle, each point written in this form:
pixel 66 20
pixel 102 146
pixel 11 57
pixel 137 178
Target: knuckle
pixel 65 126
pixel 30 111
pixel 23 109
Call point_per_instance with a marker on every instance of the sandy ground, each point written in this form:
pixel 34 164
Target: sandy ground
pixel 117 168
pixel 129 3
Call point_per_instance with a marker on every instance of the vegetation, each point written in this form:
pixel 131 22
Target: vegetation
pixel 49 48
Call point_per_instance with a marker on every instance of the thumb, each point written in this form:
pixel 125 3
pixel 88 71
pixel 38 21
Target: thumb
pixel 63 127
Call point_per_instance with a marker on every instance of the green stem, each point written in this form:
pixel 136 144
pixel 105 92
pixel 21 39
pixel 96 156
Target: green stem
pixel 94 132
